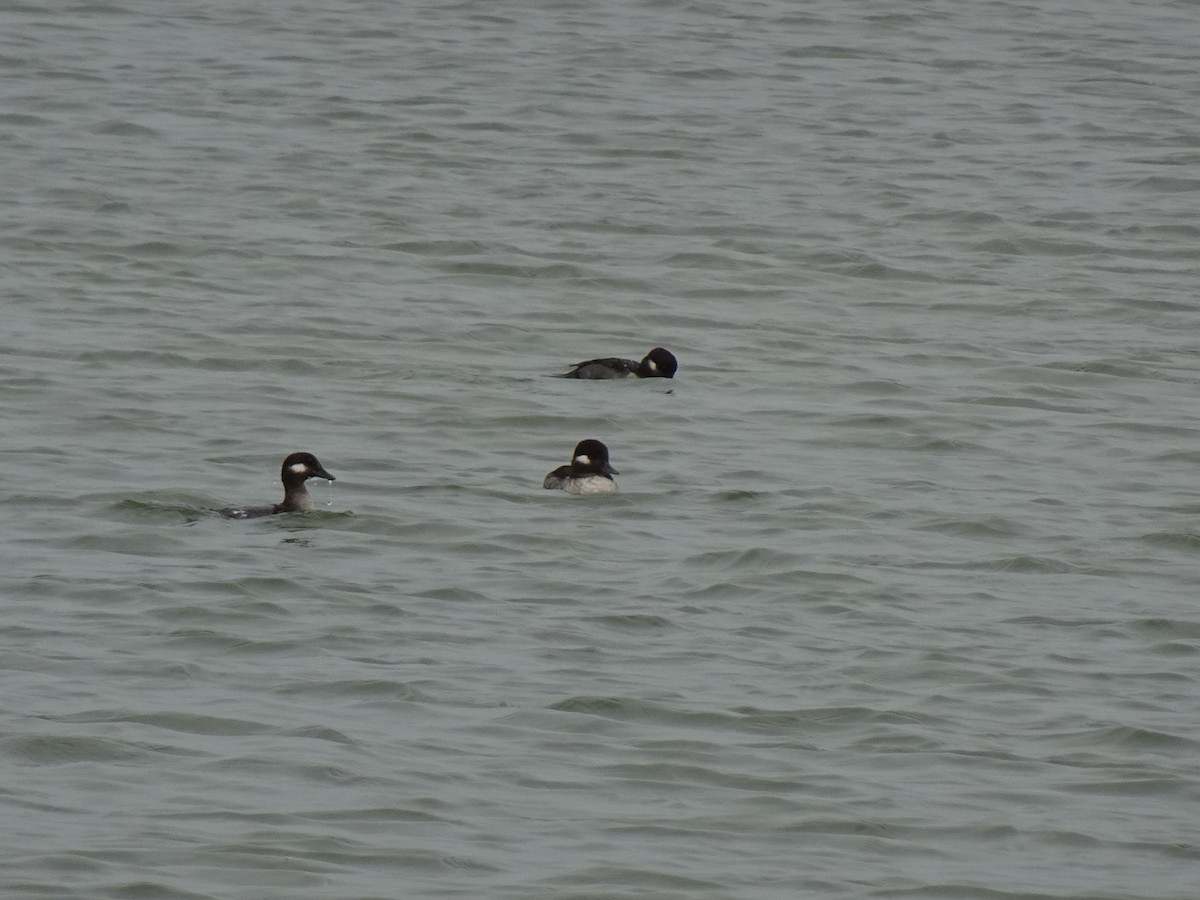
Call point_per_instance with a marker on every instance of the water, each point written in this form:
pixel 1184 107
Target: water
pixel 897 598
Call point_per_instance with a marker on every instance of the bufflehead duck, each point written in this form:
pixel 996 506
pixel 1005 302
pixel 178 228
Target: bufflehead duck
pixel 296 469
pixel 658 363
pixel 587 473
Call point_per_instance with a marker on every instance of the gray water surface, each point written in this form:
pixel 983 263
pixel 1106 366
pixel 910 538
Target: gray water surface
pixel 898 596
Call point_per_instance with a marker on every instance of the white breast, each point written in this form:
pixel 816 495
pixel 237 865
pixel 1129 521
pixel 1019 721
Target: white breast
pixel 591 484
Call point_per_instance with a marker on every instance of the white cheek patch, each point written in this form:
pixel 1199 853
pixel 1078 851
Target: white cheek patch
pixel 298 468
pixel 583 459
pixel 652 366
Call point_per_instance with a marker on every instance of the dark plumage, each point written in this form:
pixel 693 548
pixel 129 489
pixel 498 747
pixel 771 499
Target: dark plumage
pixel 658 363
pixel 296 469
pixel 588 472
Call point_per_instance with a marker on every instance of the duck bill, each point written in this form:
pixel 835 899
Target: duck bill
pixel 609 470
pixel 321 473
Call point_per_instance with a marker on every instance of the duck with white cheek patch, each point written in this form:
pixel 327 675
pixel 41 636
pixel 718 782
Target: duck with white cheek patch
pixel 588 472
pixel 296 469
pixel 658 363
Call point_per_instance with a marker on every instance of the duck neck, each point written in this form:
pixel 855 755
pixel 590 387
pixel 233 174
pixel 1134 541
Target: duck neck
pixel 295 497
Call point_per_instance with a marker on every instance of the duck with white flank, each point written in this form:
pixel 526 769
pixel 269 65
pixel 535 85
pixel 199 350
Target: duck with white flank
pixel 588 472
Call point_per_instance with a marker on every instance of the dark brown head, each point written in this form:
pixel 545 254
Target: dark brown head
pixel 658 363
pixel 591 458
pixel 299 467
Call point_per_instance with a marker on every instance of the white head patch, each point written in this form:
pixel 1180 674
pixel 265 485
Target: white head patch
pixel 651 365
pixel 583 459
pixel 298 467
